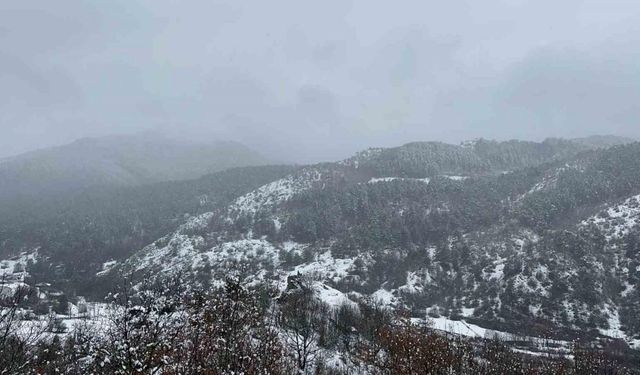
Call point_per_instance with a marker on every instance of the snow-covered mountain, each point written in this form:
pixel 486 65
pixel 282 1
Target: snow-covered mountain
pixel 537 239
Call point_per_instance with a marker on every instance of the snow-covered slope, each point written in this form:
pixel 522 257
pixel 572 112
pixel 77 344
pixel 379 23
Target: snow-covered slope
pixel 617 220
pixel 518 251
pixel 276 192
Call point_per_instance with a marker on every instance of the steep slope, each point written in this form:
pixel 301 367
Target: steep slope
pixel 74 236
pixel 116 161
pixel 524 250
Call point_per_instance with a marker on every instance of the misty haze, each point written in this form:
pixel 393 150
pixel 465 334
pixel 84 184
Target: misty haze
pixel 319 187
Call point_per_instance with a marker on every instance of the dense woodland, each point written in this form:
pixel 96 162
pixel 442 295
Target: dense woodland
pixel 169 329
pixel 77 233
pixel 535 239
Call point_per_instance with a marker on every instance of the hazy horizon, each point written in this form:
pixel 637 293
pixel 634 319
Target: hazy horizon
pixel 328 187
pixel 310 81
pixel 287 161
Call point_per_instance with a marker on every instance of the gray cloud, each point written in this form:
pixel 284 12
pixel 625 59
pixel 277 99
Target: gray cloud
pixel 310 80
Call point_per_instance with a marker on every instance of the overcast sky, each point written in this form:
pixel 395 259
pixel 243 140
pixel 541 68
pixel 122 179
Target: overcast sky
pixel 317 80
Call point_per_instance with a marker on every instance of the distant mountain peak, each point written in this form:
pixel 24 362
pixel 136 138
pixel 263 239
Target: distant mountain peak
pixel 121 160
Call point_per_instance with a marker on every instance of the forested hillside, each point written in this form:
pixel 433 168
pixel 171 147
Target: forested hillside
pixel 533 244
pixel 115 161
pixel 497 247
pixel 74 234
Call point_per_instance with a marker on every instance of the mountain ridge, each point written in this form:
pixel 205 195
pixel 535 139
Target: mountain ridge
pixel 124 160
pixel 487 248
pixel 515 236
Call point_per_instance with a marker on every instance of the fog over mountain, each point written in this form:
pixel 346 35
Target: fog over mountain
pixel 117 161
pixel 334 187
pixel 500 257
pixel 309 81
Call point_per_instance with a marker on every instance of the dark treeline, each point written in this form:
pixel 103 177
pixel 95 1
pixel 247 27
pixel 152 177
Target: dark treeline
pixel 425 159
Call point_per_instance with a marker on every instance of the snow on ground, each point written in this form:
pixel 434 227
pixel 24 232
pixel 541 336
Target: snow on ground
pixel 275 192
pixel 181 243
pixel 563 353
pixel 416 281
pixel 614 324
pixel 96 319
pixel 523 284
pixel 547 182
pixel 456 178
pixel 197 222
pixel 495 271
pixel 389 179
pixel 542 185
pixel 9 290
pixel 332 297
pixel 628 288
pixel 462 328
pixel 13 272
pixel 184 253
pixel 106 267
pixel 384 297
pixel 17 265
pixel 238 251
pixel 498 272
pixel 337 361
pixel 468 312
pixel 293 246
pixel 187 252
pixel 615 328
pixel 179 248
pixel 325 267
pixel 432 252
pixel 277 224
pixel 425 180
pixel 619 219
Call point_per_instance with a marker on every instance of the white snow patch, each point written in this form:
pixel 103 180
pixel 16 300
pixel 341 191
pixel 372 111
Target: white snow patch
pixel 462 328
pixel 384 297
pixel 468 312
pixel 9 290
pixel 106 267
pixel 619 219
pixel 415 282
pixel 432 252
pixel 277 224
pixel 628 288
pixel 458 327
pixel 16 267
pixel 614 329
pixel 197 222
pixel 498 272
pixel 389 179
pixel 456 178
pixel 332 297
pixel 275 192
pixel 325 268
